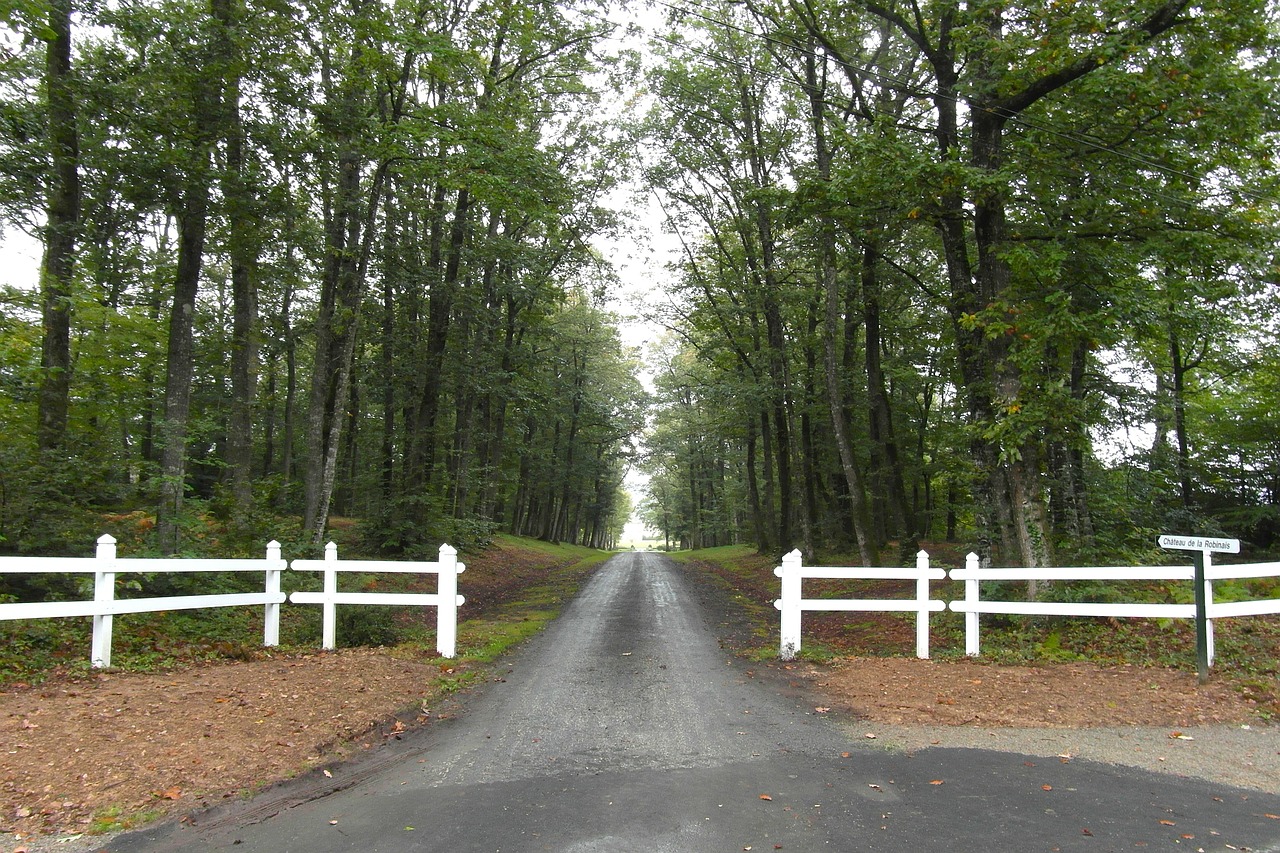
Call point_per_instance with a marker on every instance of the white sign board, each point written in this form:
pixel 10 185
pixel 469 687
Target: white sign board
pixel 1200 543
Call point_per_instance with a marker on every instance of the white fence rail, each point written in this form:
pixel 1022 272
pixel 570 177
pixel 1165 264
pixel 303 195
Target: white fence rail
pixel 973 604
pixel 793 603
pixel 105 566
pixel 446 599
pixel 104 605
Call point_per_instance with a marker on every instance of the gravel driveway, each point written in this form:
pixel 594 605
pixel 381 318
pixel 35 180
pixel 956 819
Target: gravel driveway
pixel 626 727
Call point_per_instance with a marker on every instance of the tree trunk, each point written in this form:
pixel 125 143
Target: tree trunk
pixel 61 228
pixel 192 229
pixel 832 335
pixel 242 242
pixel 880 411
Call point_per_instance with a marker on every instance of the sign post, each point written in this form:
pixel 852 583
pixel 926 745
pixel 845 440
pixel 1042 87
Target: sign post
pixel 1201 547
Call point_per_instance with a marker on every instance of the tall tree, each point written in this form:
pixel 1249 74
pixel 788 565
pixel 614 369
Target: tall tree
pixel 62 225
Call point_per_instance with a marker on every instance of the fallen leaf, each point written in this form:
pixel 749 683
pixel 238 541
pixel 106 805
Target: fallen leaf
pixel 328 774
pixel 821 710
pixel 765 797
pixel 937 782
pixel 844 755
pixel 1272 816
pixel 1046 787
pixel 869 736
pixel 333 823
pixel 1187 835
pixel 1086 831
pixel 1167 823
pixel 173 793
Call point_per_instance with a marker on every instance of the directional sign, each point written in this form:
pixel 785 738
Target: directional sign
pixel 1200 543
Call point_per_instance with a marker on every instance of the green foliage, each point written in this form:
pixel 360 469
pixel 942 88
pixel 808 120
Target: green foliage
pixel 367 625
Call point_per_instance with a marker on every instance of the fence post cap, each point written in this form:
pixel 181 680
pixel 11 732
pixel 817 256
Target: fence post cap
pixel 446 548
pixel 106 539
pixel 273 544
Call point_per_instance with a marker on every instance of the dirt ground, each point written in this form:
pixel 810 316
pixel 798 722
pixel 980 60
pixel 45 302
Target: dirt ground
pixel 74 754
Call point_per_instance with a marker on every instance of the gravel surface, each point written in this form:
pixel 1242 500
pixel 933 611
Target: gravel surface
pixel 1245 756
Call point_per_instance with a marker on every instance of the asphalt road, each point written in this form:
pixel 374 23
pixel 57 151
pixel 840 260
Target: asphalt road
pixel 625 727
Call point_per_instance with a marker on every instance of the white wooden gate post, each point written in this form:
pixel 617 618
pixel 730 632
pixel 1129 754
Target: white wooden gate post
pixel 449 601
pixel 971 593
pixel 271 616
pixel 104 593
pixel 789 604
pixel 329 606
pixel 922 601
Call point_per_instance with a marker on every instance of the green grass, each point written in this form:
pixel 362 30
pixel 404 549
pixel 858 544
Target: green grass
pixel 117 819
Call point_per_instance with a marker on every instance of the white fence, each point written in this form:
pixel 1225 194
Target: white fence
pixel 446 599
pixel 973 605
pixel 793 603
pixel 105 566
pixel 104 605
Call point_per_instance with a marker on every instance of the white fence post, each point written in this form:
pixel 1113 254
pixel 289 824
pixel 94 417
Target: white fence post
pixel 450 601
pixel 104 592
pixel 789 604
pixel 329 606
pixel 971 595
pixel 271 616
pixel 922 600
pixel 1208 598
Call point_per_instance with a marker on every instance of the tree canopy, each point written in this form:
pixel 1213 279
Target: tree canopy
pixel 999 273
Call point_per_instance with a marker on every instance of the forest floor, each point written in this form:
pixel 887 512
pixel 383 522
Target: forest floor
pixel 98 752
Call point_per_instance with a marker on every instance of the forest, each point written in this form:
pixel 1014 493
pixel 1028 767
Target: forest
pixel 311 259
pixel 1002 274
